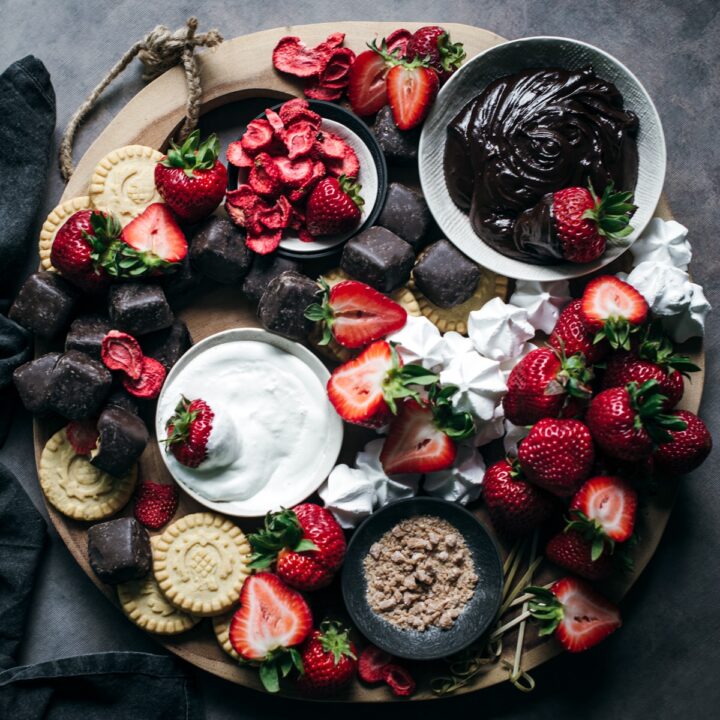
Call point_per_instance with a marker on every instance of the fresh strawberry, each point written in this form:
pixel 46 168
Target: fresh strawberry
pixel 153 242
pixel 150 382
pixel 411 90
pixel 571 336
pixel 372 664
pixel 306 544
pixel 580 553
pixel 329 660
pixel 557 455
pixel 84 234
pixel 399 679
pixel 155 504
pixel 608 504
pixel 120 351
pixel 82 436
pixel 687 448
pixel 613 309
pixel 191 179
pixel 188 431
pixel 367 87
pixel 516 507
pixel 542 383
pixel 626 422
pixel 421 439
pixel 432 43
pixel 356 314
pixel 333 206
pixel 584 223
pixel 364 389
pixel 580 617
pixel 271 621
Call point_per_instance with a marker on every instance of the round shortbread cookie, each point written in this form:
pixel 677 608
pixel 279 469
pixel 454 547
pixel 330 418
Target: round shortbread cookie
pixel 201 562
pixel 54 221
pixel 455 318
pixel 124 182
pixel 221 628
pixel 78 489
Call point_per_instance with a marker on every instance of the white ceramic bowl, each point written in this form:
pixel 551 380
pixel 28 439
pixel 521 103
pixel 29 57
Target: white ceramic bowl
pixel 307 479
pixel 510 57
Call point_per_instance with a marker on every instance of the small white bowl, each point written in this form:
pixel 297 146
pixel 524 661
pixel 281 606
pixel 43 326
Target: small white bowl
pixel 303 483
pixel 511 57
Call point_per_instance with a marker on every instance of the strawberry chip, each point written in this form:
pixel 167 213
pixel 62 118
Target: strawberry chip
pixel 275 121
pixel 397 41
pixel 298 109
pixel 276 217
pixel 257 137
pixel 321 92
pixel 299 139
pixel 292 56
pixel 265 242
pixel 294 173
pixel 338 67
pixel 305 236
pixel 264 177
pixel 120 351
pixel 82 436
pixel 348 166
pixel 329 145
pixel 150 382
pixel 237 156
pixel 399 680
pixel 335 40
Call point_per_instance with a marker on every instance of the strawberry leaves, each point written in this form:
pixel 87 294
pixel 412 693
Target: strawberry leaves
pixel 545 608
pixel 400 381
pixel 277 664
pixel 649 403
pixel 612 213
pixel 455 424
pixel 192 154
pixel 282 530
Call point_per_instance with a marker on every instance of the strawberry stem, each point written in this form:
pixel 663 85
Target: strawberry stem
pixel 612 213
pixel 192 154
pixel 282 530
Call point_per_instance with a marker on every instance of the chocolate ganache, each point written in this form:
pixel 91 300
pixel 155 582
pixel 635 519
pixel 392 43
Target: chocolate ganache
pixel 530 134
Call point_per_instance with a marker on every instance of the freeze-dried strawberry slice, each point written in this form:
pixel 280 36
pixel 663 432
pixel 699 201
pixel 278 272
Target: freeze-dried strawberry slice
pixel 399 680
pixel 329 145
pixel 275 121
pixel 321 92
pixel 277 216
pixel 334 40
pixel 242 204
pixel 120 351
pixel 337 67
pixel 349 165
pixel 319 172
pixel 298 109
pixel 237 155
pixel 294 173
pixel 82 436
pixel 257 137
pixel 263 243
pixel 398 40
pixel 264 177
pixel 150 382
pixel 297 218
pixel 305 236
pixel 292 56
pixel 299 139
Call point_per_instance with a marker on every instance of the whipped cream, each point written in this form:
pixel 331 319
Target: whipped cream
pixel 271 421
pixel 667 289
pixel 351 494
pixel 691 321
pixel 462 482
pixel 663 241
pixel 498 330
pixel 419 342
pixel 480 384
pixel 543 301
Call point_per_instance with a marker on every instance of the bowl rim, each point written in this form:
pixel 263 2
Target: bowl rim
pixel 496 261
pixel 334 437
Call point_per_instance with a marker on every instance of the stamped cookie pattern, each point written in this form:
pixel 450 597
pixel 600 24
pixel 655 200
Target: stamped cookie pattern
pixel 124 182
pixel 54 221
pixel 201 562
pixel 78 489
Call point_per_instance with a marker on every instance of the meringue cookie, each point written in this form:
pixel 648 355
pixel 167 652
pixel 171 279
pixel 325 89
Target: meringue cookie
pixel 454 344
pixel 690 322
pixel 387 488
pixel 667 289
pixel 506 366
pixel 488 430
pixel 480 384
pixel 420 342
pixel 498 330
pixel 462 483
pixel 663 241
pixel 544 301
pixel 513 435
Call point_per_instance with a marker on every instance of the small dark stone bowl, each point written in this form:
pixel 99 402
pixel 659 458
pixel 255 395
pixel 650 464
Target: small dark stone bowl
pixel 433 643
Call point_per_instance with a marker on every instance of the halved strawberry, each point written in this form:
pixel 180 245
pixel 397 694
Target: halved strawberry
pixel 614 309
pixel 82 436
pixel 609 504
pixel 411 90
pixel 271 621
pixel 367 90
pixel 579 615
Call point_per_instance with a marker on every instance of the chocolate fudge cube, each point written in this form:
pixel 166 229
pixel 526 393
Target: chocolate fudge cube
pixel 284 302
pixel 122 439
pixel 168 345
pixel 44 305
pixel 445 276
pixel 78 385
pixel 180 284
pixel 379 258
pixel 33 380
pixel 123 400
pixel 219 251
pixel 406 214
pixel 400 146
pixel 86 334
pixel 119 550
pixel 139 309
pixel 264 269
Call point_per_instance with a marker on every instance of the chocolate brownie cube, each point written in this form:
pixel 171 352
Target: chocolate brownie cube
pixel 265 268
pixel 219 251
pixel 78 385
pixel 180 285
pixel 44 305
pixel 284 302
pixel 400 146
pixel 445 276
pixel 406 214
pixel 124 400
pixel 122 439
pixel 139 309
pixel 119 550
pixel 168 345
pixel 33 380
pixel 86 334
pixel 379 258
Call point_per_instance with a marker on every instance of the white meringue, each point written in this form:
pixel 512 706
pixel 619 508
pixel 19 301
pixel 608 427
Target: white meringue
pixel 667 289
pixel 506 366
pixel 543 301
pixel 419 341
pixel 690 322
pixel 513 435
pixel 462 482
pixel 663 241
pixel 498 330
pixel 488 430
pixel 454 344
pixel 479 381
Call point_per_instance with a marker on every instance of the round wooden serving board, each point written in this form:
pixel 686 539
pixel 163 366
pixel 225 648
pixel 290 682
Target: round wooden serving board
pixel 241 69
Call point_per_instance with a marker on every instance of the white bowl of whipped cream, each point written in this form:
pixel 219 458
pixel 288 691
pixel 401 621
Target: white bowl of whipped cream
pixel 275 437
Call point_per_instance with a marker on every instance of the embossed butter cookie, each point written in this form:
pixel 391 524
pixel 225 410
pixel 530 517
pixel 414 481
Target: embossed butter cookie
pixel 124 182
pixel 78 489
pixel 201 562
pixel 221 628
pixel 54 221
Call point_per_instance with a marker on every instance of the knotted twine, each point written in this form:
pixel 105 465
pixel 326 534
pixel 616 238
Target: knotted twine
pixel 159 51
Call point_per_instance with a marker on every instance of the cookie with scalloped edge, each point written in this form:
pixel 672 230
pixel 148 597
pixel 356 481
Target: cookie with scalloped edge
pixel 78 489
pixel 123 182
pixel 201 562
pixel 54 221
pixel 221 628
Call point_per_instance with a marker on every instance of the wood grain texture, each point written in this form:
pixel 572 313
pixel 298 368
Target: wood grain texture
pixel 238 69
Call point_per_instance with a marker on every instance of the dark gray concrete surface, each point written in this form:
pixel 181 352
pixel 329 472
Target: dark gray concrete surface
pixel 664 663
